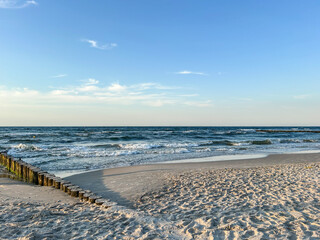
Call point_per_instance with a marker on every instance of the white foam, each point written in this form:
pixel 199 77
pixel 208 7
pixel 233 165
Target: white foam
pixel 22 146
pixel 303 152
pixel 179 145
pixel 219 158
pixel 139 146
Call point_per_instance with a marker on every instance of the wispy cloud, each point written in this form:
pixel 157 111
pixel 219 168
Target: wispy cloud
pixel 94 44
pixel 302 96
pixel 16 3
pixel 186 72
pixel 59 76
pixel 207 103
pixel 92 92
pixel 91 81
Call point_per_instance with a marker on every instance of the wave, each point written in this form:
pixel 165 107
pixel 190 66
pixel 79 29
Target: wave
pixel 179 145
pixel 29 147
pixel 175 151
pixel 40 163
pixel 140 146
pixel 127 138
pixel 107 145
pixel 298 140
pixel 309 140
pixel 92 154
pixel 261 142
pixel 290 141
pixel 223 142
pixel 23 140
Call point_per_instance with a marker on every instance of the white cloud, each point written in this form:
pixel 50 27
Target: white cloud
pixel 186 72
pixel 16 3
pixel 59 76
pixel 302 96
pixel 91 92
pixel 17 92
pixel 61 92
pixel 146 86
pixel 88 88
pixel 116 87
pixel 95 44
pixel 207 103
pixel 92 81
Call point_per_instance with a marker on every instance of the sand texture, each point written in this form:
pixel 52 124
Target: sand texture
pixel 33 212
pixel 279 202
pixel 253 200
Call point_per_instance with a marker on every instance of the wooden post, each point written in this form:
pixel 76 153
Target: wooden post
pixel 26 172
pixel 20 165
pixel 13 165
pixel 41 178
pixel 46 179
pixel 57 182
pixel 99 201
pixel 66 186
pixel 81 193
pixel 33 175
pixel 70 188
pixel 86 196
pixel 93 198
pixel 8 163
pixel 2 159
pixel 62 184
pixel 50 180
pixel 75 192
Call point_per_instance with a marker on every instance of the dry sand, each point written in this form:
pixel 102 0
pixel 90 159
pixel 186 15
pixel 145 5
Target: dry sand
pixel 273 197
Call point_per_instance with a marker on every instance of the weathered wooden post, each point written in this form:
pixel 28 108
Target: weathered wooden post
pixel 33 175
pixel 13 166
pixel 41 178
pixel 92 198
pixel 26 172
pixel 8 163
pixel 99 201
pixel 57 182
pixel 46 179
pixel 2 159
pixel 19 166
pixel 63 182
pixel 87 195
pixel 81 193
pixel 65 187
pixel 50 180
pixel 75 191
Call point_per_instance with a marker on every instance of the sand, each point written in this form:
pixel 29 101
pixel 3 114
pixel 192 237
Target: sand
pixel 126 185
pixel 273 197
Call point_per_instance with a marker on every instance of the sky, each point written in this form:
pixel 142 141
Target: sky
pixel 159 63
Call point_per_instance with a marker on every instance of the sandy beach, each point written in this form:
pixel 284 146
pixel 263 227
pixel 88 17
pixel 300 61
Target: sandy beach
pixel 273 197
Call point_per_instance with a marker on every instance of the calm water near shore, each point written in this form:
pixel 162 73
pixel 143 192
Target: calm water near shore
pixel 77 149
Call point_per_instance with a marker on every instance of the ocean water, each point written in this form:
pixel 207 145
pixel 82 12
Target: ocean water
pixel 70 150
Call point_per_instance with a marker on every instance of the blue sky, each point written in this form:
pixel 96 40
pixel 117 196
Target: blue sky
pixel 214 63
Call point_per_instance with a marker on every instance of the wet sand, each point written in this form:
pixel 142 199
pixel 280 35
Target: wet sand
pixel 125 185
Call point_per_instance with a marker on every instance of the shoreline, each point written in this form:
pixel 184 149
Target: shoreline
pixel 125 185
pixel 220 158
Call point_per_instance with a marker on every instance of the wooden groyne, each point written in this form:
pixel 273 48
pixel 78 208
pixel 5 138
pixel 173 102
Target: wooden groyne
pixel 34 175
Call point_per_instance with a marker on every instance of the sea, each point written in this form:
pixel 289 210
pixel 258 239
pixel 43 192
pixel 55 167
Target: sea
pixel 66 151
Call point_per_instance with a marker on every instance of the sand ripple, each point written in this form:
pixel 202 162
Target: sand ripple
pixel 279 202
